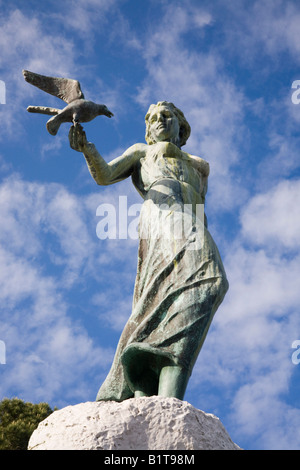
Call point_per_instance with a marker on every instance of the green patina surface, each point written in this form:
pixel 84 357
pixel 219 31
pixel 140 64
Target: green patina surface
pixel 180 279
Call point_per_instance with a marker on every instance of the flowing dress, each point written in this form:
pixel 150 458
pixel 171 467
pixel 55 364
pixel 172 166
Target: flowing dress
pixel 180 279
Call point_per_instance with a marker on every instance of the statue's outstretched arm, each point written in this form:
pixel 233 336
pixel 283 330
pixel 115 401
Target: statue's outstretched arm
pixel 104 173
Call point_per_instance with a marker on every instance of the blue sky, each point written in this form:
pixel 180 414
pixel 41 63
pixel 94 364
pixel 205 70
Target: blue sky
pixel 65 294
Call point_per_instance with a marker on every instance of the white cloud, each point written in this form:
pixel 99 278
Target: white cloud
pixel 246 360
pixel 273 217
pixel 26 42
pixel 84 18
pixel 260 410
pixel 116 313
pixel 248 350
pixel 197 83
pixel 262 29
pixel 48 250
pixel 30 40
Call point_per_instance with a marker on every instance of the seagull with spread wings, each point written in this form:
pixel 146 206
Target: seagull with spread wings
pixel 77 110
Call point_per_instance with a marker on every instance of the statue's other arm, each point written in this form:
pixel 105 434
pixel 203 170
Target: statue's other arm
pixel 105 173
pixel 200 164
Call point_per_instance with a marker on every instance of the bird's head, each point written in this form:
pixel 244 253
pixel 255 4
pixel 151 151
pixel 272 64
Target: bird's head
pixel 104 110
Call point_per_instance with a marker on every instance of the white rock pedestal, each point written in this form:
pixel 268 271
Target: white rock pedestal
pixel 146 423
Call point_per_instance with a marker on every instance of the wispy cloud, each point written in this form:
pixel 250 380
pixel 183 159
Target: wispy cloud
pixel 265 28
pixel 45 224
pixel 26 44
pixel 41 43
pixel 250 343
pixel 271 218
pixel 61 287
pixel 197 83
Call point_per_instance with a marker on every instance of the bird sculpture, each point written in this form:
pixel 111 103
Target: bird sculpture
pixel 77 110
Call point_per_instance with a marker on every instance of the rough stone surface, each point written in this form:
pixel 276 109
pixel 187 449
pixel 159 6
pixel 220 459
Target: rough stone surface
pixel 146 423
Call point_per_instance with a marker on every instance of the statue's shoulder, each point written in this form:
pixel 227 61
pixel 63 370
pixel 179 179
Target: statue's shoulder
pixel 139 150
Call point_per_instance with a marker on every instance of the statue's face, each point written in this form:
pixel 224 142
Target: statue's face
pixel 164 126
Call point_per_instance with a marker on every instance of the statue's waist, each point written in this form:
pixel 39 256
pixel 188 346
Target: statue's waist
pixel 180 191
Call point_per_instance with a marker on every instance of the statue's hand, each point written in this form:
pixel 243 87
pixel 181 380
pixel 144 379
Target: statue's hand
pixel 77 138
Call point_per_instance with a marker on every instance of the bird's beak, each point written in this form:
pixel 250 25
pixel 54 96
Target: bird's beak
pixel 107 112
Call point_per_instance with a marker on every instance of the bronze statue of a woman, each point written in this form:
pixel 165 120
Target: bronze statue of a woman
pixel 180 280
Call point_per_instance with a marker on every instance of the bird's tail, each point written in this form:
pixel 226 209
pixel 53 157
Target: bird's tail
pixel 43 110
pixel 53 125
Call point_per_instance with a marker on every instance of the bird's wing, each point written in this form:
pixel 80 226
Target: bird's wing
pixel 66 89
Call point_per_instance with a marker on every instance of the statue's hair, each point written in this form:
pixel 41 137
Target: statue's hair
pixel 184 127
